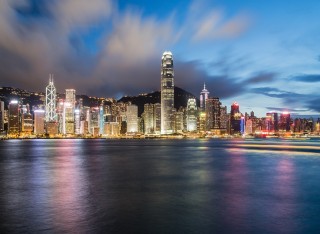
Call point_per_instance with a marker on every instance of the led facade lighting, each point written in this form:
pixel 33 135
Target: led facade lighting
pixel 51 95
pixel 167 93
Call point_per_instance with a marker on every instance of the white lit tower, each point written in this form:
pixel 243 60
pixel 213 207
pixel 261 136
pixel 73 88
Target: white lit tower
pixel 203 97
pixel 51 94
pixel 192 115
pixel 167 93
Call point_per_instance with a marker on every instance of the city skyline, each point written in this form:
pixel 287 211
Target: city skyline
pixel 111 48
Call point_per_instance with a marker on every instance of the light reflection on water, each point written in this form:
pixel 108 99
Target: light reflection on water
pixel 159 186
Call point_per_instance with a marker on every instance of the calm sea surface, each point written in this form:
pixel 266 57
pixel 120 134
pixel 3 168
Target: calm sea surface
pixel 159 186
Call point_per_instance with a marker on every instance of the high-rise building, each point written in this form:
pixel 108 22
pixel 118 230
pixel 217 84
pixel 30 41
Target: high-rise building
pixel 223 119
pixel 39 118
pixel 157 118
pixel 84 123
pixel 26 121
pixel 152 118
pixel 69 107
pixel 178 121
pixel 101 119
pixel 213 114
pixel 284 123
pixel 191 115
pixel 14 118
pixel 77 121
pixel 51 115
pixel 132 118
pixel 203 97
pixel 272 118
pixel 1 116
pixel 249 127
pixel 94 121
pixel 148 117
pixel 235 119
pixel 61 117
pixel 167 93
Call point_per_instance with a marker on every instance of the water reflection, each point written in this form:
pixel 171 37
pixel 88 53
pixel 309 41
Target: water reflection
pixel 284 186
pixel 69 198
pixel 236 192
pixel 94 186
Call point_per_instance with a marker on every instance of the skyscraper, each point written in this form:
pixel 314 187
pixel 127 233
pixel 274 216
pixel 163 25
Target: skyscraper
pixel 167 93
pixel 203 97
pixel 213 115
pixel 152 118
pixel 148 117
pixel 69 107
pixel 273 122
pixel 1 116
pixel 132 118
pixel 235 119
pixel 39 116
pixel 284 123
pixel 26 121
pixel 51 115
pixel 14 118
pixel 191 115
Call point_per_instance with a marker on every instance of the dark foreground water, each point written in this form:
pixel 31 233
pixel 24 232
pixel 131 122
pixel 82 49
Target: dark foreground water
pixel 159 186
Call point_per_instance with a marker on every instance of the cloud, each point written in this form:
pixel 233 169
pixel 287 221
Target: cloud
pixel 134 39
pixel 213 26
pixel 274 92
pixel 291 110
pixel 36 46
pixel 301 102
pixel 80 13
pixel 308 78
pixel 190 75
pixel 262 77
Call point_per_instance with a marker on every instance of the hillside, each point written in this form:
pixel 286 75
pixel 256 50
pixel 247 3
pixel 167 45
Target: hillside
pixel 180 99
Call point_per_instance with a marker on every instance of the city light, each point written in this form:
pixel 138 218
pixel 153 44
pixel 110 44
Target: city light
pixel 70 117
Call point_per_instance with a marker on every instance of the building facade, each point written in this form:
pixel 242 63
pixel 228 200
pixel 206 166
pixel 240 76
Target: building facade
pixel 192 115
pixel 14 118
pixel 235 119
pixel 51 96
pixel 69 107
pixel 167 93
pixel 203 97
pixel 39 118
pixel 1 116
pixel 132 119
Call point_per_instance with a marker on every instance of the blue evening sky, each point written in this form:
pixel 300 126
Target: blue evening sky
pixel 263 54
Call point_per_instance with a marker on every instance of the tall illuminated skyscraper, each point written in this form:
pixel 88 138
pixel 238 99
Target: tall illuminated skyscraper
pixel 14 118
pixel 69 107
pixel 1 116
pixel 213 114
pixel 51 115
pixel 192 115
pixel 152 118
pixel 203 97
pixel 235 119
pixel 148 116
pixel 39 116
pixel 132 118
pixel 167 93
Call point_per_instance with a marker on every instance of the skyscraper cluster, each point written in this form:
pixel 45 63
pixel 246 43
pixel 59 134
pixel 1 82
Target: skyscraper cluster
pixel 69 115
